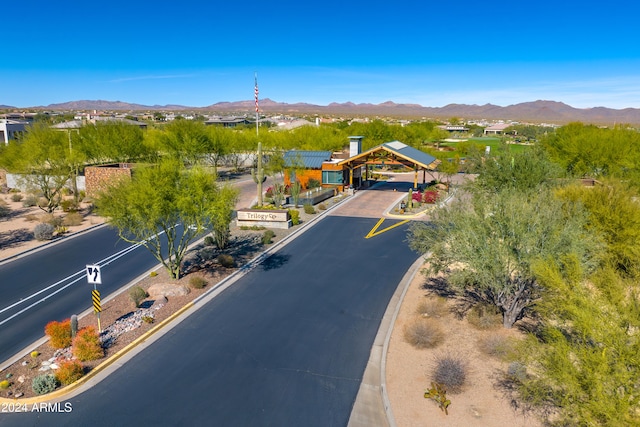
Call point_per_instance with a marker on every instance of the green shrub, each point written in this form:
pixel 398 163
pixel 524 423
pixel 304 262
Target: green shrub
pixel 484 316
pixel 4 384
pixel 252 227
pixel 72 219
pixel 517 371
pixel 267 237
pixel 208 241
pixel 153 274
pixel 4 209
pixel 86 345
pixel 59 333
pixel 69 205
pixel 148 319
pixel 226 261
pixel 137 295
pixel 295 216
pixel 43 231
pixel 322 206
pixel 56 221
pixel 423 333
pixel 16 197
pixel 309 209
pixel 35 353
pixel 69 372
pixel 43 384
pixel 197 282
pixel 313 183
pixel 451 372
pixel 30 201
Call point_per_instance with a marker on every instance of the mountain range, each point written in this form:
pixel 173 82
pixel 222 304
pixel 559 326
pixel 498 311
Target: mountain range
pixel 538 111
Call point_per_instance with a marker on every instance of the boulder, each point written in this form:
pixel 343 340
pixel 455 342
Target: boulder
pixel 167 290
pixel 159 302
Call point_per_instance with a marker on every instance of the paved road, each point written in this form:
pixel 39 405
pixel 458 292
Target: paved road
pixel 286 345
pixel 51 284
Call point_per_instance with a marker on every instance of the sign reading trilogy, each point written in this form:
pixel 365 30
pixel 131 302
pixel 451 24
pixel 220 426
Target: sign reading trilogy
pixel 259 215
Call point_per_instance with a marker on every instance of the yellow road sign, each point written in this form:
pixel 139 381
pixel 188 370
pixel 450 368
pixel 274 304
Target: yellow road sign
pixel 95 296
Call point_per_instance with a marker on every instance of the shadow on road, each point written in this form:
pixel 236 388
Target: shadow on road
pixel 275 261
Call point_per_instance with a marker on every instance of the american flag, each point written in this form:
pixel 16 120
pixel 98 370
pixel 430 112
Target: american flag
pixel 255 91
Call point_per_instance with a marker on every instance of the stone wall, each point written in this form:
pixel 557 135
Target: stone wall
pixel 98 177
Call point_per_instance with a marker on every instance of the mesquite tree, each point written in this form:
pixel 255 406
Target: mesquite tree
pixel 487 245
pixel 166 199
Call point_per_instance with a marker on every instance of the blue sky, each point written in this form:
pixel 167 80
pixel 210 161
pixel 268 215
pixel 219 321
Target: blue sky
pixel 198 53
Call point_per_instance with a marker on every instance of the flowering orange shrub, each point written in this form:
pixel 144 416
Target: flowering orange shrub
pixel 69 372
pixel 86 345
pixel 59 333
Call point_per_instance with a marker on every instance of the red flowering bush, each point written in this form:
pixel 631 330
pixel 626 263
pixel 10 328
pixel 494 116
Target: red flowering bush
pixel 430 196
pixel 416 196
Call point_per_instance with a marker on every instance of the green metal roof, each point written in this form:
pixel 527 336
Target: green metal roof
pixel 306 159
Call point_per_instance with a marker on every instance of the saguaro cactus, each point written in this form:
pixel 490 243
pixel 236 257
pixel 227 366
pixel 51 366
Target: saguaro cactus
pixel 258 175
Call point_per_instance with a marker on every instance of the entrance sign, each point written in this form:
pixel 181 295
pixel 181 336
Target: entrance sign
pixel 278 218
pixel 93 274
pixel 258 215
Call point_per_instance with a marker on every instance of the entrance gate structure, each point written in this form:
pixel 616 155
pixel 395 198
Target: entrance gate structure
pixel 392 153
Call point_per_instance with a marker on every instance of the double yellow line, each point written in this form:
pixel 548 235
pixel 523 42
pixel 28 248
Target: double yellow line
pixel 374 231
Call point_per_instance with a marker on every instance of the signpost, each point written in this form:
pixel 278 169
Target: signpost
pixel 93 274
pixel 94 277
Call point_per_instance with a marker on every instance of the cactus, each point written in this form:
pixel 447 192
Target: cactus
pixel 410 199
pixel 74 325
pixel 438 393
pixel 258 175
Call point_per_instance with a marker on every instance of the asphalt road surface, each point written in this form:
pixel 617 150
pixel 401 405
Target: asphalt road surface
pixel 286 345
pixel 51 284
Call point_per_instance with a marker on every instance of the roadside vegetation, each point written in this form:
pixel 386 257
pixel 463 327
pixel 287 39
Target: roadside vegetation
pixel 557 259
pixel 527 242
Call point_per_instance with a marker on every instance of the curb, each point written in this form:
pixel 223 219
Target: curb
pixel 447 199
pixel 50 243
pixel 69 390
pixel 372 406
pixel 63 392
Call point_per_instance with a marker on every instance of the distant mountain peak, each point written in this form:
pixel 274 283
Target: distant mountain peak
pixel 534 111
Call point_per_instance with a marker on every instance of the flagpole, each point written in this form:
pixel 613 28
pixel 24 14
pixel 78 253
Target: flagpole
pixel 255 91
